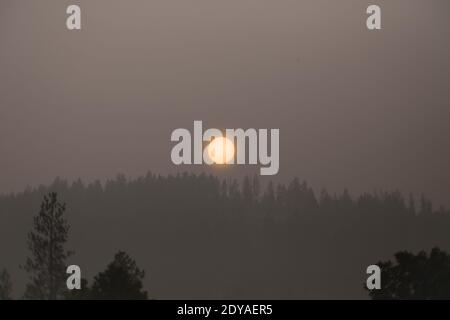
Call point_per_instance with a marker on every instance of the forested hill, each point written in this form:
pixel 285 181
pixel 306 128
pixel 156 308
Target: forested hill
pixel 199 237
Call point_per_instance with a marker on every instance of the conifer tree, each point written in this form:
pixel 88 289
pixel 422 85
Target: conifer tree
pixel 47 264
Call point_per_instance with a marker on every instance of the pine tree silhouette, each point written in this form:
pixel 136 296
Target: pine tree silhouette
pixel 122 280
pixel 47 264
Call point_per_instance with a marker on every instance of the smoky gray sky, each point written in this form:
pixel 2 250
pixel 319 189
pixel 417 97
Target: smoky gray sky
pixel 356 109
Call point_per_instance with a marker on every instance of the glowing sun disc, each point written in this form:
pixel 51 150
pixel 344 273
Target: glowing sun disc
pixel 221 150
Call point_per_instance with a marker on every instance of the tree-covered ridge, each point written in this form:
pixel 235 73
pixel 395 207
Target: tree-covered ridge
pixel 295 198
pixel 197 236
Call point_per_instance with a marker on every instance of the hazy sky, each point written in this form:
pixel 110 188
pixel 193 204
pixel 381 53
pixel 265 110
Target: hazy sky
pixel 357 109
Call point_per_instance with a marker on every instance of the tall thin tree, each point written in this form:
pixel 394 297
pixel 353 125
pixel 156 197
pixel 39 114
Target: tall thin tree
pixel 46 242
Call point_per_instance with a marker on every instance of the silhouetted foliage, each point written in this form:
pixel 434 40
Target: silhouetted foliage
pixel 420 276
pixel 5 285
pixel 122 280
pixel 211 238
pixel 47 266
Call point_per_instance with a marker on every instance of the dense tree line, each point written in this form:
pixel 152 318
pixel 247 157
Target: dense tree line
pixel 202 237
